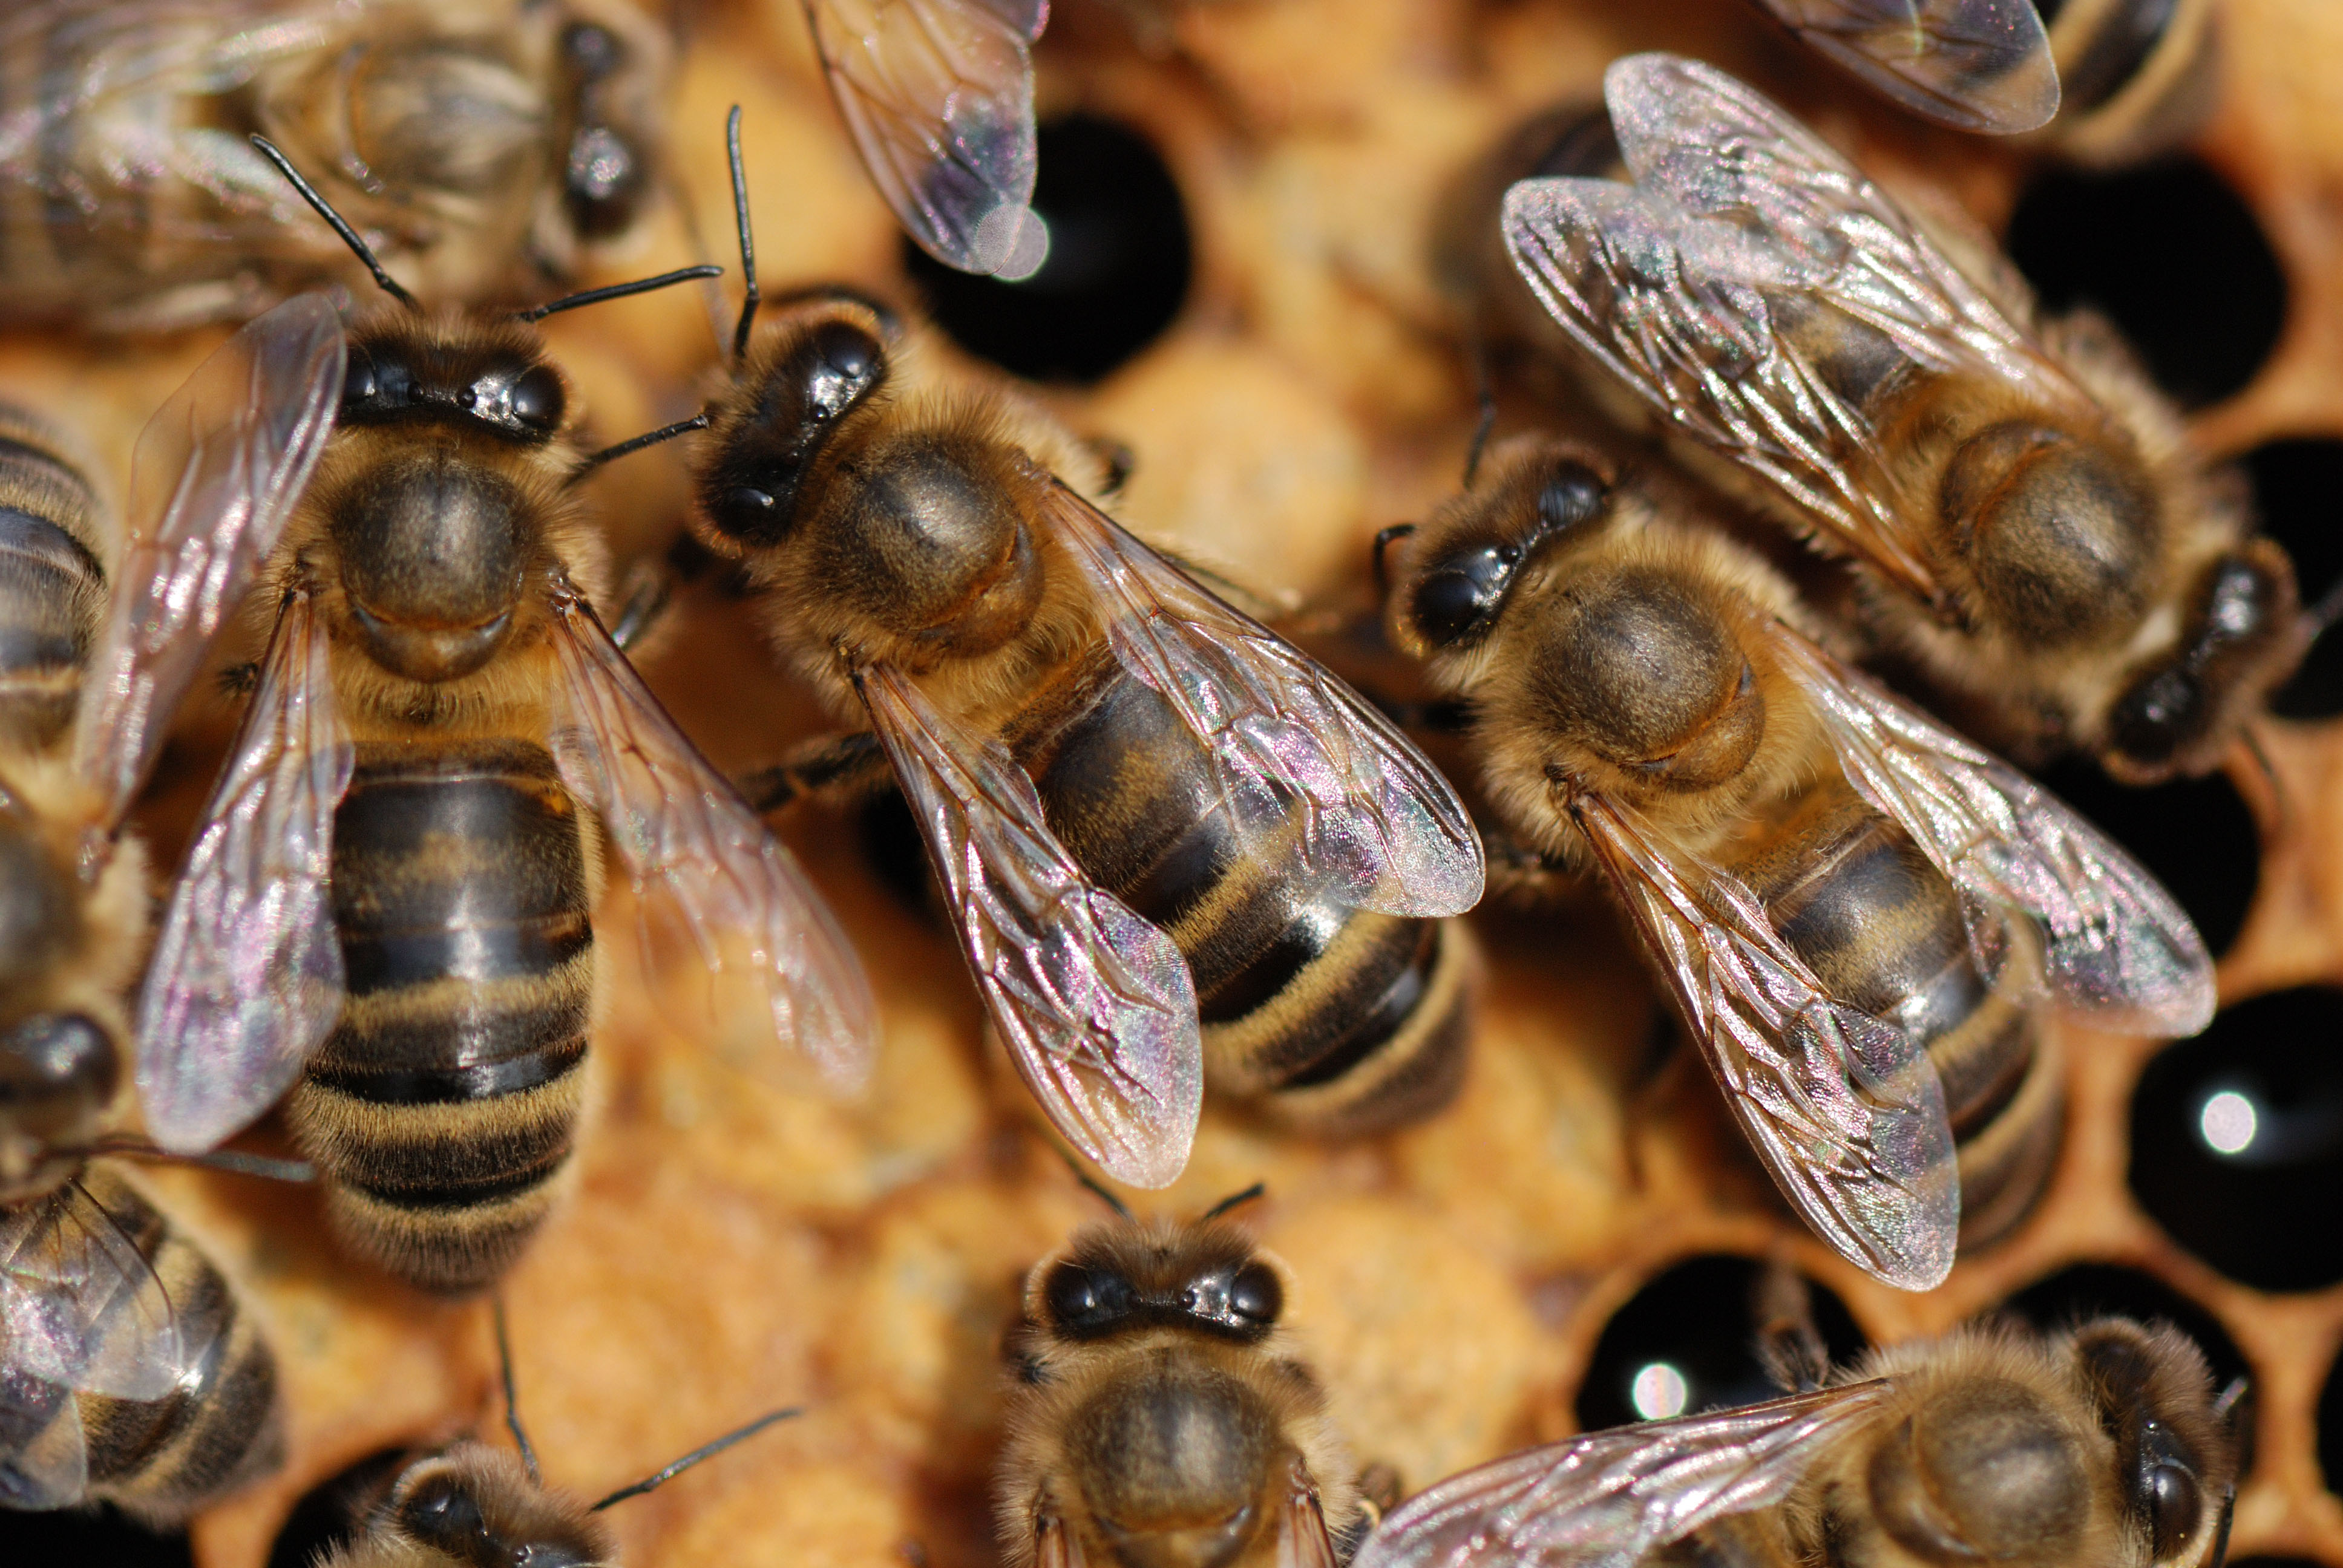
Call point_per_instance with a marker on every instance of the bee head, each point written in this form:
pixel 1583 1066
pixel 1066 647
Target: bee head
pixel 791 397
pixel 607 169
pixel 1207 1278
pixel 475 1506
pixel 2177 714
pixel 2174 1461
pixel 1463 568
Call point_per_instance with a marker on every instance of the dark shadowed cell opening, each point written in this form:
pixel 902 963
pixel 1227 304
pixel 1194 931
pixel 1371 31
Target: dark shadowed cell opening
pixel 2237 1140
pixel 2087 1291
pixel 1688 1341
pixel 2298 492
pixel 2195 834
pixel 78 1539
pixel 2330 1429
pixel 1117 269
pixel 2171 254
pixel 332 1511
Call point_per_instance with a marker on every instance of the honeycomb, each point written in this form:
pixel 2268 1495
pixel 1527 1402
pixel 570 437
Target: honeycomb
pixel 1483 1281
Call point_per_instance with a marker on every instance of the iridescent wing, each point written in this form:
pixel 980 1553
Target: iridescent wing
pixel 702 864
pixel 939 95
pixel 83 1307
pixel 247 974
pixel 1748 253
pixel 1303 1541
pixel 2120 953
pixel 1843 1109
pixel 1971 65
pixel 1292 746
pixel 1095 1005
pixel 1606 1499
pixel 215 473
pixel 44 1459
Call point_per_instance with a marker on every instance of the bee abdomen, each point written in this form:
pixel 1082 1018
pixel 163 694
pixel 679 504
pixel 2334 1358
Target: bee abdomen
pixel 444 1105
pixel 52 589
pixel 1883 931
pixel 162 1460
pixel 1340 1020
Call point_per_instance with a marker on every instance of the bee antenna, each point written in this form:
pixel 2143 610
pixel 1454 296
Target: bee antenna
pixel 2220 1555
pixel 661 1477
pixel 619 291
pixel 1104 1194
pixel 512 1404
pixel 594 460
pixel 2225 1407
pixel 1476 354
pixel 750 299
pixel 1384 539
pixel 1236 1200
pixel 325 209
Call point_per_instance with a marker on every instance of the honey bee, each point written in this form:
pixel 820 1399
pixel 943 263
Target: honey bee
pixel 1161 1416
pixel 1972 65
pixel 2137 75
pixel 468 1504
pixel 2105 1445
pixel 2024 509
pixel 1854 910
pixel 484 144
pixel 1171 846
pixel 127 1371
pixel 389 896
pixel 939 96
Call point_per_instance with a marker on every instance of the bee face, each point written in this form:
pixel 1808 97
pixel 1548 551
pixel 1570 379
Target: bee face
pixel 1466 581
pixel 607 170
pixel 496 384
pixel 1215 1284
pixel 2151 1404
pixel 807 383
pixel 59 1073
pixel 2242 628
pixel 475 1507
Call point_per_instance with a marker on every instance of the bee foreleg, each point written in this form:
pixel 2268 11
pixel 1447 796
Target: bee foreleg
pixel 835 769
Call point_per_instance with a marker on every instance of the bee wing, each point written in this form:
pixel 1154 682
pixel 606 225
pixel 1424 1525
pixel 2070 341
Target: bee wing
pixel 1303 1541
pixel 247 974
pixel 1606 1499
pixel 1095 1004
pixel 2120 953
pixel 939 95
pixel 1377 821
pixel 1843 1109
pixel 1971 65
pixel 84 1308
pixel 699 858
pixel 215 473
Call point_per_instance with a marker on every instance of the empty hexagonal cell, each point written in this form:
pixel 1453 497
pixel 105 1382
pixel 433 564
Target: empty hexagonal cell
pixel 2170 253
pixel 1115 273
pixel 1688 1341
pixel 2237 1140
pixel 2195 834
pixel 2296 483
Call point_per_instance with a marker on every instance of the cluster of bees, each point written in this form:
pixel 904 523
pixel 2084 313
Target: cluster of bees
pixel 1179 854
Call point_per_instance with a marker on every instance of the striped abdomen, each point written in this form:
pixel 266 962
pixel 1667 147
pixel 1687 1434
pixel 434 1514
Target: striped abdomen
pixel 52 586
pixel 1335 1020
pixel 1882 930
pixel 161 1460
pixel 443 1105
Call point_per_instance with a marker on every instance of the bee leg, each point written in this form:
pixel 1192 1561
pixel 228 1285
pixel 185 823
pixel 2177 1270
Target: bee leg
pixel 834 768
pixel 1789 1346
pixel 1055 1545
pixel 1518 870
pixel 1115 461
pixel 649 588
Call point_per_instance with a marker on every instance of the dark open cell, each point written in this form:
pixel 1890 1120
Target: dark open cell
pixel 75 1538
pixel 2195 834
pixel 1688 1341
pixel 1117 270
pixel 2171 254
pixel 2299 492
pixel 2330 1429
pixel 330 1513
pixel 2237 1140
pixel 2085 1290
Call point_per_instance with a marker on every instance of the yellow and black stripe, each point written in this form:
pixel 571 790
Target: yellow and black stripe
pixel 52 584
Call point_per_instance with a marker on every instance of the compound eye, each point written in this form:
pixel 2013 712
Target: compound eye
pixel 1453 601
pixel 359 385
pixel 536 400
pixel 2157 715
pixel 1254 1295
pixel 846 362
pixel 439 1512
pixel 1573 496
pixel 746 512
pixel 1083 1298
pixel 601 181
pixel 2175 1505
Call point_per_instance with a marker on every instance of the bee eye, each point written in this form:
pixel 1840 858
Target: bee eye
pixel 2175 1503
pixel 536 400
pixel 1573 496
pixel 440 1513
pixel 1454 600
pixel 1083 1298
pixel 54 1058
pixel 360 385
pixel 1254 1295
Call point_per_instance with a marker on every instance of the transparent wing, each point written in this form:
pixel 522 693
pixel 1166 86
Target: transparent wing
pixel 247 976
pixel 2120 953
pixel 1292 746
pixel 1971 65
pixel 1303 1541
pixel 1843 1109
pixel 1607 1498
pixel 939 95
pixel 215 473
pixel 1095 1005
pixel 84 1308
pixel 1726 285
pixel 702 863
pixel 43 1460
